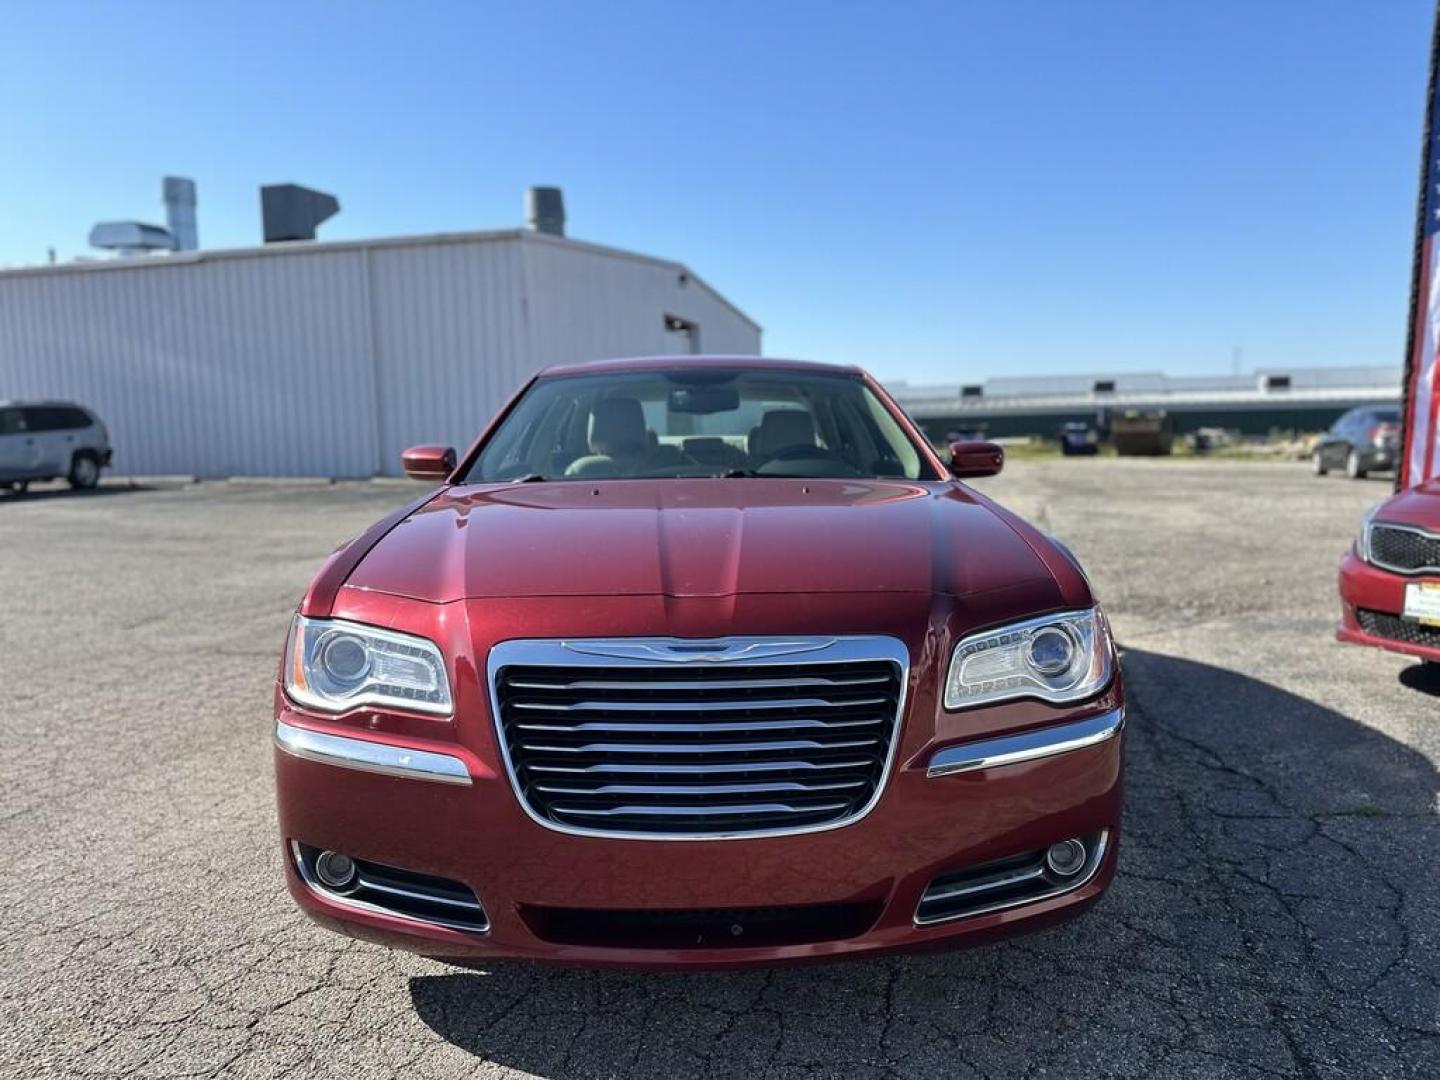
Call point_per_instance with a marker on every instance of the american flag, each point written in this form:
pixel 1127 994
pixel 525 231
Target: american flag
pixel 1420 458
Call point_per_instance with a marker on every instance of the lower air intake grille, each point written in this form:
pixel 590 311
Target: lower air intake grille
pixel 395 891
pixel 1004 883
pixel 717 928
pixel 1405 550
pixel 682 739
pixel 1379 624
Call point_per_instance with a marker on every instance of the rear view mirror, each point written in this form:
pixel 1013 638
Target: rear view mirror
pixel 428 462
pixel 976 458
pixel 703 400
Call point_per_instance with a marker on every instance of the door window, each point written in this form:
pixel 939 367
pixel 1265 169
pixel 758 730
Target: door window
pixel 42 418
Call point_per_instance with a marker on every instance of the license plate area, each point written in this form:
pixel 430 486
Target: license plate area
pixel 1422 602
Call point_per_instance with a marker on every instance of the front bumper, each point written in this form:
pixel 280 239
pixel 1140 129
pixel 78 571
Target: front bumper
pixel 1368 588
pixel 445 811
pixel 1379 458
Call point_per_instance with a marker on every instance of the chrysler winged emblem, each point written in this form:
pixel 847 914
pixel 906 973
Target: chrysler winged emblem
pixel 679 651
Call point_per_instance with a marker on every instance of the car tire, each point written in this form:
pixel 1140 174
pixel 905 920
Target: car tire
pixel 84 471
pixel 1318 461
pixel 1354 468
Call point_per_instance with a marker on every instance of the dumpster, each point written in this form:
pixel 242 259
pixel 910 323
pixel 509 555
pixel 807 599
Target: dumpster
pixel 1142 434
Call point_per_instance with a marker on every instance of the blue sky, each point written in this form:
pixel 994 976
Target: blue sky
pixel 938 192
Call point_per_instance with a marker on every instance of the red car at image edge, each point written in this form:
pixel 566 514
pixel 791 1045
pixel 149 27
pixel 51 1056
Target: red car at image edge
pixel 699 662
pixel 1390 579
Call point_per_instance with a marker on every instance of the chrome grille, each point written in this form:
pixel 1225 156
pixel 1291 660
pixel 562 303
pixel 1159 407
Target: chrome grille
pixel 1404 549
pixel 670 739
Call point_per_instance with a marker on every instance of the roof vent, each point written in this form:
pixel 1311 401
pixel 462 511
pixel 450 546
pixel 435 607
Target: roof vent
pixel 291 212
pixel 545 210
pixel 1103 386
pixel 180 212
pixel 131 237
pixel 1274 382
pixel 972 391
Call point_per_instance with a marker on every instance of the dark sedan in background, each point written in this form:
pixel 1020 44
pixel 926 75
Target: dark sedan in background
pixel 1362 441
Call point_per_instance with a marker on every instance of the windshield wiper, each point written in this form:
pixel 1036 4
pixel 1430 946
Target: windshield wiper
pixel 530 478
pixel 734 474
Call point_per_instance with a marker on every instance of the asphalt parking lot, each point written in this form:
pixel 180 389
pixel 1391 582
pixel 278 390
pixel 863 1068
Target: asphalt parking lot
pixel 1277 910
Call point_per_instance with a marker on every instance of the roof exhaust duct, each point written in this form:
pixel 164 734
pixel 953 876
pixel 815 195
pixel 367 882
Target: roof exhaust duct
pixel 545 210
pixel 291 212
pixel 180 212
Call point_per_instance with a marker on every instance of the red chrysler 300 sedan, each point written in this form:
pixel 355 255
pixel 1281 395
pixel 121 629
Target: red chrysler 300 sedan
pixel 698 662
pixel 1390 581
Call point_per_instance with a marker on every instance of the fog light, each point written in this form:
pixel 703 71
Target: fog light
pixel 334 870
pixel 1066 858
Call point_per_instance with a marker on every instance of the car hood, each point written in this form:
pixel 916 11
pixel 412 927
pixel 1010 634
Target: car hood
pixel 1418 506
pixel 707 537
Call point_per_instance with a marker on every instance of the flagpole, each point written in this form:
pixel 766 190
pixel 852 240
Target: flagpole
pixel 1416 300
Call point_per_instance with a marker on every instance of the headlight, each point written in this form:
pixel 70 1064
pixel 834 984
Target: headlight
pixel 1056 658
pixel 335 665
pixel 1362 539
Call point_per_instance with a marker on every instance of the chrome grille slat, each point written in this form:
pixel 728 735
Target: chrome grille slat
pixel 695 706
pixel 701 728
pixel 806 682
pixel 714 767
pixel 706 810
pixel 652 738
pixel 702 789
pixel 696 747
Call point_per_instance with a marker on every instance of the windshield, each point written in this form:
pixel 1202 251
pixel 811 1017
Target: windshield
pixel 698 422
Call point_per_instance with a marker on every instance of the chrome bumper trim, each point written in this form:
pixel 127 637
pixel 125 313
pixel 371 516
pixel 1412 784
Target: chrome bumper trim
pixel 369 756
pixel 1097 857
pixel 308 880
pixel 1026 746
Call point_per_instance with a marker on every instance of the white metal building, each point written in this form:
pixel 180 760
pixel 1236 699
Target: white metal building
pixel 327 359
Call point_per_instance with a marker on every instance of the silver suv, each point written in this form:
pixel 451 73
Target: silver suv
pixel 42 440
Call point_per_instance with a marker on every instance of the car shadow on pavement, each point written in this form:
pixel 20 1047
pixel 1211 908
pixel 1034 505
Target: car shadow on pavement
pixel 1422 677
pixel 44 494
pixel 1271 916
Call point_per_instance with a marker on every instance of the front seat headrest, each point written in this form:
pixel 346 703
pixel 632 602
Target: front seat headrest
pixel 781 428
pixel 617 427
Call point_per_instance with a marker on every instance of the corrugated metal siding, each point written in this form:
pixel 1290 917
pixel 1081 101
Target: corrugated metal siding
pixel 451 336
pixel 590 304
pixel 330 360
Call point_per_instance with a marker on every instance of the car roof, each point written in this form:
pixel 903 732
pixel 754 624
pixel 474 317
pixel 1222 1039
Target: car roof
pixel 661 363
pixel 11 403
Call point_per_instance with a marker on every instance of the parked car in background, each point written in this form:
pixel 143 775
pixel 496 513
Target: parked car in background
pixel 1078 437
pixel 1362 441
pixel 46 440
pixel 1390 581
pixel 603 699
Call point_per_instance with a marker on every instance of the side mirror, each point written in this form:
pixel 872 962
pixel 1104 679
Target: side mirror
pixel 976 458
pixel 428 462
